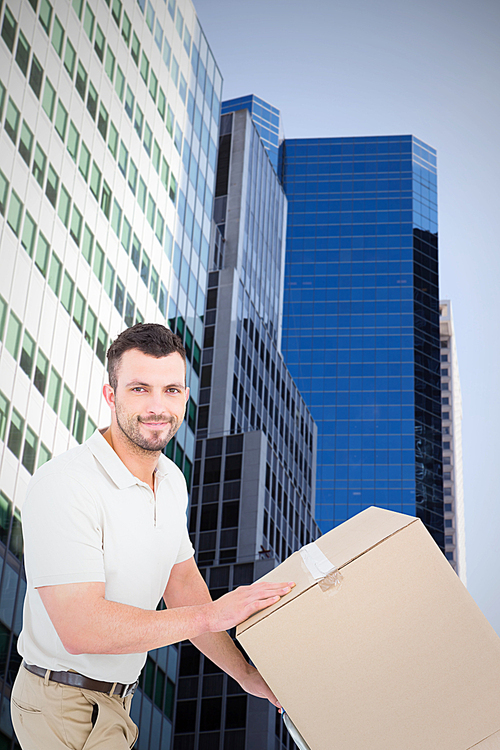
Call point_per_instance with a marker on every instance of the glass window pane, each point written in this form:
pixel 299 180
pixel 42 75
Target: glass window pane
pixel 54 392
pixel 52 185
pixel 126 28
pixel 42 254
pixel 15 213
pixel 23 53
pixel 68 289
pixel 39 165
pixel 27 354
pixel 16 433
pixel 113 139
pixel 41 372
pixel 12 119
pixel 4 188
pixel 84 164
pixel 45 15
pixel 92 101
pixel 61 120
pixel 9 28
pixel 64 206
pixel 87 244
pixel 100 42
pixel 44 455
pixel 120 83
pixel 66 412
pixel 36 76
pixel 98 266
pixel 70 58
pixel 30 448
pixel 109 280
pixel 102 343
pixel 119 296
pixel 88 22
pixel 79 309
pixel 49 99
pixel 29 234
pixel 58 36
pixel 102 123
pixel 26 143
pixel 76 225
pixel 90 327
pixel 4 413
pixel 55 274
pixel 79 422
pixel 81 80
pixel 13 338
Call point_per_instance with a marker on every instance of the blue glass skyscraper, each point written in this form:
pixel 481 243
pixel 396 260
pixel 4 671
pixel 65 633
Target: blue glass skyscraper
pixel 361 320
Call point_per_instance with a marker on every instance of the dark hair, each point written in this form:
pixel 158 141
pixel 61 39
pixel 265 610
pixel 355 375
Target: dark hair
pixel 149 338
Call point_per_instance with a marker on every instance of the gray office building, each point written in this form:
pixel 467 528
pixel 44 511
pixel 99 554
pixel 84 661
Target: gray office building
pixel 252 500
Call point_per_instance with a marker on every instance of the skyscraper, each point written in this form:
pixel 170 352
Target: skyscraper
pixel 361 320
pixel 109 118
pixel 453 488
pixel 252 501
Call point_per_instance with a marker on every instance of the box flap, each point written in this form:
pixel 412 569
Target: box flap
pixel 341 545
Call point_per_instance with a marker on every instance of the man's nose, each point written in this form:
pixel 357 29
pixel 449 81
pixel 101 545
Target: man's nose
pixel 157 403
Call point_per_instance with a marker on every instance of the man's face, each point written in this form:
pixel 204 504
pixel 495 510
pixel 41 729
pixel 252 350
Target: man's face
pixel 149 401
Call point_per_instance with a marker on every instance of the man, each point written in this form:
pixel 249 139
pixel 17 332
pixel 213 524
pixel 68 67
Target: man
pixel 105 538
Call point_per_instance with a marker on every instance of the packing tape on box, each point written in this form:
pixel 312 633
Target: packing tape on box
pixel 320 567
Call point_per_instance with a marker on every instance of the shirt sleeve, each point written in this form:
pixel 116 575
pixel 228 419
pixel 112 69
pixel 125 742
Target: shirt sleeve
pixel 186 549
pixel 62 532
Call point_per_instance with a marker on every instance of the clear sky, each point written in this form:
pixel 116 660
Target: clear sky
pixel 430 68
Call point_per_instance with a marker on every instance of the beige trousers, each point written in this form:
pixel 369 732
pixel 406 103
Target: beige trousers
pixel 50 716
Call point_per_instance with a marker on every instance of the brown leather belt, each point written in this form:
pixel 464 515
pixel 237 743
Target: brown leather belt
pixel 79 680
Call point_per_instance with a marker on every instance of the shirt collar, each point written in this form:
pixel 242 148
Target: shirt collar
pixel 114 466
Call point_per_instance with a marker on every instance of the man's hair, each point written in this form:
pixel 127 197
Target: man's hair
pixel 149 338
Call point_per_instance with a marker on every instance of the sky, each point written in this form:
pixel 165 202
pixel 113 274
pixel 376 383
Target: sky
pixel 430 68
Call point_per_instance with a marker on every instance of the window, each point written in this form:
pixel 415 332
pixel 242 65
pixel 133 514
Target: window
pixel 26 143
pixel 153 86
pixel 70 58
pixel 27 354
pixel 162 103
pixel 151 211
pixel 132 176
pixel 109 279
pixel 90 327
pixel 49 98
pixel 52 186
pixel 84 164
pixel 153 285
pixel 87 244
pixel 13 338
pixel 76 225
pixel 42 254
pixel 126 234
pixel 81 80
pixel 12 119
pixel 78 8
pixel 148 137
pixel 98 266
pixel 139 121
pixel 129 102
pixel 170 120
pixel 67 292
pixel 129 311
pixel 41 372
pixel 30 448
pixel 106 199
pixel 95 181
pixel 9 28
pixel 64 206
pixel 113 139
pixel 116 218
pixel 116 11
pixel 102 343
pixel 119 296
pixel 123 159
pixel 16 433
pixel 102 123
pixel 15 213
pixel 73 141
pixel 92 101
pixel 55 274
pixel 142 192
pixel 160 226
pixel 136 48
pixel 4 188
pixel 144 68
pixel 44 455
pixel 79 310
pixel 61 120
pixel 78 422
pixel 136 252
pixel 36 76
pixel 100 43
pixel 126 29
pixel 4 411
pixel 45 15
pixel 164 173
pixel 145 267
pixel 109 66
pixel 88 22
pixel 120 83
pixel 66 407
pixel 29 234
pixel 23 53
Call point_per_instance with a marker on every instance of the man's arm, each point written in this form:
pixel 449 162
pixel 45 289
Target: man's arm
pixel 186 585
pixel 86 622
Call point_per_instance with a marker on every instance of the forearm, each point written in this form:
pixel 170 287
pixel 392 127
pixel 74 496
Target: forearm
pixel 221 649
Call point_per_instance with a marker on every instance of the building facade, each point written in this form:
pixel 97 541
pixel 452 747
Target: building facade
pixel 109 116
pixel 453 487
pixel 252 502
pixel 361 321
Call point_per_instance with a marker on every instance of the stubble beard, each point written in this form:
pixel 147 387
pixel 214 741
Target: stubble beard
pixel 130 428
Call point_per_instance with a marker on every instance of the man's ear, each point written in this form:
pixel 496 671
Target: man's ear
pixel 109 395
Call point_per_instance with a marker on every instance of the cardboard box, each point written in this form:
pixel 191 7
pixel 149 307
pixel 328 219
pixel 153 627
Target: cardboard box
pixel 394 655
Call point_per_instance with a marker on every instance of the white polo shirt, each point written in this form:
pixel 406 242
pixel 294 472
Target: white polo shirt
pixel 86 517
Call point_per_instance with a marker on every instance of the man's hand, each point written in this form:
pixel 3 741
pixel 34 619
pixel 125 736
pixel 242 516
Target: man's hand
pixel 255 684
pixel 240 604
